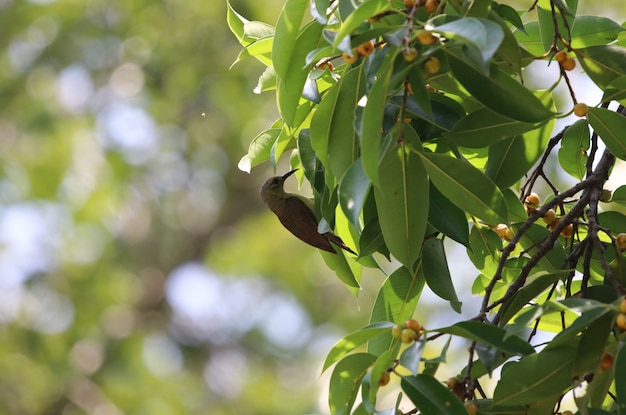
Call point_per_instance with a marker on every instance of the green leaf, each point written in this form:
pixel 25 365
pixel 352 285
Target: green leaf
pixel 372 119
pixel 411 356
pixel 537 376
pixel 603 63
pixel 353 189
pixel 446 217
pixel 573 152
pixel 619 196
pixel 354 340
pixel 384 362
pixel 620 379
pixel 259 149
pixel 402 202
pixel 508 13
pixel 430 396
pixel 371 240
pixel 490 335
pixel 481 34
pixel 466 187
pixel 485 127
pixel 436 272
pixel 535 285
pixel 345 381
pixel 485 246
pixel 593 342
pixel 286 37
pixel 610 126
pixel 341 266
pixel 594 30
pixel 365 10
pixel 553 259
pixel 291 82
pixel 396 301
pixel 318 10
pixel 616 90
pixel 499 92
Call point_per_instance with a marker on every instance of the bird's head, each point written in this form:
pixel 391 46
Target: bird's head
pixel 273 187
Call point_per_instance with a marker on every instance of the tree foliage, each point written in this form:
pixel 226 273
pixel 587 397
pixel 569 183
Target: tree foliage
pixel 416 123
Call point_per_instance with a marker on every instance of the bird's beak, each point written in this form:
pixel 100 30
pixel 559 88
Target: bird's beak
pixel 289 173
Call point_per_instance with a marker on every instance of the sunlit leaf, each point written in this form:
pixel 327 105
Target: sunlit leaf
pixel 573 151
pixel 345 381
pixel 354 340
pixel 610 127
pixel 430 396
pixel 490 335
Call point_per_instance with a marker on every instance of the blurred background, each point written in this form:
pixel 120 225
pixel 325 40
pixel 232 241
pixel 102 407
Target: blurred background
pixel 139 271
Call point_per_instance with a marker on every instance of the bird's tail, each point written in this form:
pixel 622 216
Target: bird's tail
pixel 337 241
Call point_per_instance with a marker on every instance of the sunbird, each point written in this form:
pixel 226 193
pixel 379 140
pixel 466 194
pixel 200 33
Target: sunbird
pixel 296 213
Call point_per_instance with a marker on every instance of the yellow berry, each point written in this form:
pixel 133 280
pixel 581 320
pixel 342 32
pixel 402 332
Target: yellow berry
pixel 432 65
pixel 471 408
pixel 431 5
pixel 621 321
pixel 384 379
pixel 622 306
pixel 606 195
pixel 413 325
pixel 580 109
pixel 350 58
pixel 408 335
pixel 549 217
pixel 568 64
pixel 426 38
pixel 501 229
pixel 533 200
pixel 396 331
pixel 621 241
pixel 365 49
pixel 410 3
pixel 509 234
pixel 567 231
pixel 410 54
pixel 560 56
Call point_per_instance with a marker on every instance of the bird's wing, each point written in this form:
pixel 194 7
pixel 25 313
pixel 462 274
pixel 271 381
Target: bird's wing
pixel 301 221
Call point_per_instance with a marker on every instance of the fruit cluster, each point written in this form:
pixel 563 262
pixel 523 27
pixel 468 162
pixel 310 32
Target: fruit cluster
pixel 362 51
pixel 566 62
pixel 533 202
pixel 621 317
pixel 408 332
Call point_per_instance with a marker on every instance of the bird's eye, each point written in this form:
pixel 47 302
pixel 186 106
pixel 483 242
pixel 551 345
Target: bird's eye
pixel 275 181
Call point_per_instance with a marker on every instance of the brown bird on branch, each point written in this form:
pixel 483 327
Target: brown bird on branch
pixel 297 215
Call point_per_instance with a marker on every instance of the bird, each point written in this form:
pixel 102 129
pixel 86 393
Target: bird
pixel 296 213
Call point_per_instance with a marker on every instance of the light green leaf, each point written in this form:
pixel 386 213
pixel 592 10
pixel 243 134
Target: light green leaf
pixel 364 11
pixel 616 90
pixel 603 63
pixel 610 126
pixel 286 35
pixel 402 202
pixel 594 30
pixel 573 152
pixel 354 340
pixel 346 380
pixel 396 301
pixel 259 149
pixel 466 187
pixel 353 189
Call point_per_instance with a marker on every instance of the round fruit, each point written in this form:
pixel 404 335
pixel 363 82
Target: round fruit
pixel 533 200
pixel 349 59
pixel 413 325
pixel 410 54
pixel 509 234
pixel 452 383
pixel 501 229
pixel 396 331
pixel 471 408
pixel 621 321
pixel 560 56
pixel 622 306
pixel 580 109
pixel 384 379
pixel 549 217
pixel 432 65
pixel 426 38
pixel 606 195
pixel 365 49
pixel 431 5
pixel 410 3
pixel 621 241
pixel 567 231
pixel 567 413
pixel 568 64
pixel 606 361
pixel 553 224
pixel 408 335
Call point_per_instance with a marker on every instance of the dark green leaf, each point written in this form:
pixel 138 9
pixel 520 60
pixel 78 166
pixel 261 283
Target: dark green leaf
pixel 353 189
pixel 481 34
pixel 402 201
pixel 593 342
pixel 436 272
pixel 430 396
pixel 490 335
pixel 610 126
pixel 447 218
pixel 411 356
pixel 553 259
pixel 466 187
pixel 285 38
pixel 620 378
pixel 339 264
pixel 499 92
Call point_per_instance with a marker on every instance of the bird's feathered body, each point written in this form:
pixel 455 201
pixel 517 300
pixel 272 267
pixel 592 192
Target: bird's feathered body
pixel 296 214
